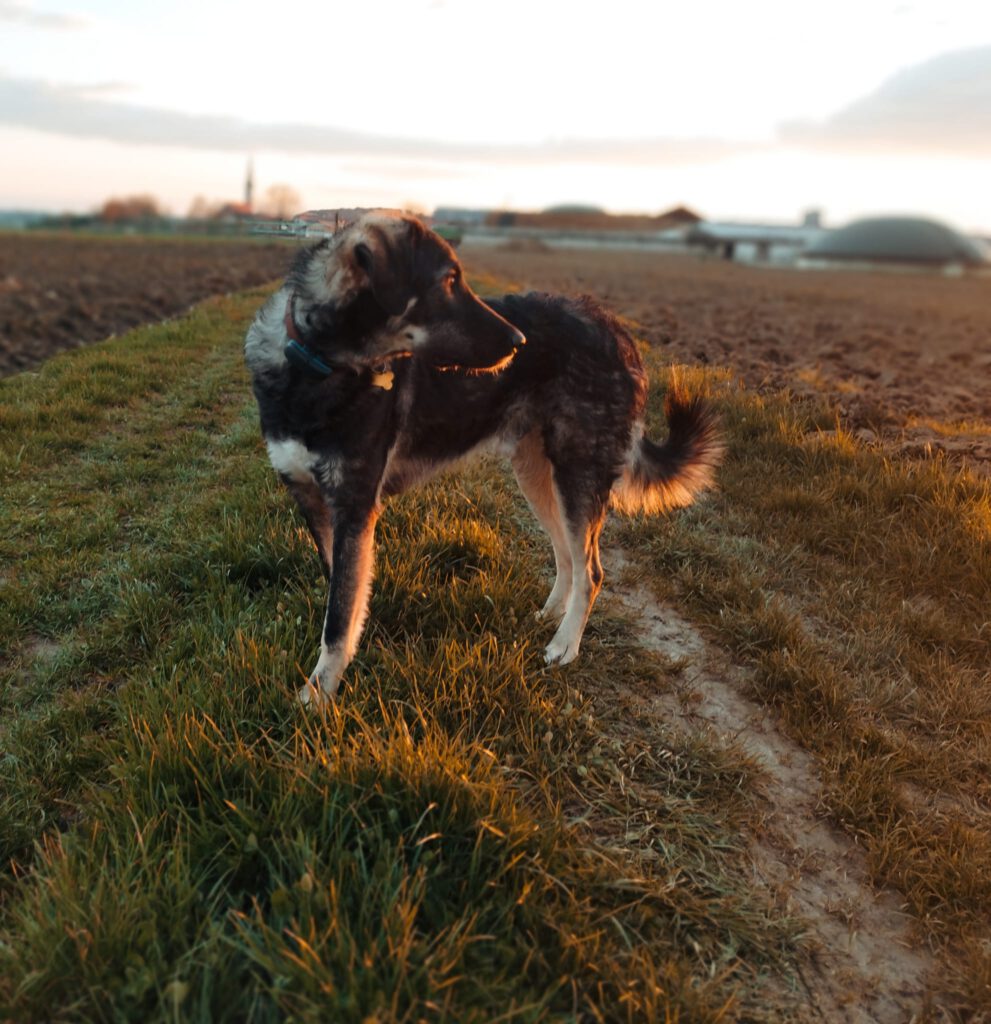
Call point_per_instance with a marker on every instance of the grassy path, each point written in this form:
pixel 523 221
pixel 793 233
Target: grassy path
pixel 455 841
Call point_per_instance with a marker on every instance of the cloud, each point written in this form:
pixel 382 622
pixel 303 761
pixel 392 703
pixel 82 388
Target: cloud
pixel 85 112
pixel 407 170
pixel 97 90
pixel 23 14
pixel 940 106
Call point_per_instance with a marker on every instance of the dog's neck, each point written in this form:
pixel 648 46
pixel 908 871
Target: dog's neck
pixel 302 358
pixel 296 352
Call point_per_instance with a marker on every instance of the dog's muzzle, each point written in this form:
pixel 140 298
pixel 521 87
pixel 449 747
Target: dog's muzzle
pixel 517 342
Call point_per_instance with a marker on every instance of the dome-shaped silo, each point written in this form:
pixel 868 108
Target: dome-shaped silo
pixel 905 240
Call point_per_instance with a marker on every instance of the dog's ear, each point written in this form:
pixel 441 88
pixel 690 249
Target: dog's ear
pixel 387 272
pixel 364 258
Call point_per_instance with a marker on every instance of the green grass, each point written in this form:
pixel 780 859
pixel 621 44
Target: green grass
pixel 465 836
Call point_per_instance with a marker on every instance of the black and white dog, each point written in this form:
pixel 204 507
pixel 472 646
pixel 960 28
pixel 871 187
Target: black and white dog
pixel 376 365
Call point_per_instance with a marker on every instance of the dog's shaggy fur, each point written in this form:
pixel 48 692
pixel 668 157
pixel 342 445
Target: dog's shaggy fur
pixel 375 366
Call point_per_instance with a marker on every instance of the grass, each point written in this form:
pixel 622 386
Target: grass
pixel 465 836
pixel 858 589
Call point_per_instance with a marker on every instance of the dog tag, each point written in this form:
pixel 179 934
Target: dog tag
pixel 383 380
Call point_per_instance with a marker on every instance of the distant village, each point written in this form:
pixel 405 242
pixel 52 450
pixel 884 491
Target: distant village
pixel 895 242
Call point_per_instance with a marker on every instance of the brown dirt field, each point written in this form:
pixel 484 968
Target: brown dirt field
pixel 61 291
pixel 905 357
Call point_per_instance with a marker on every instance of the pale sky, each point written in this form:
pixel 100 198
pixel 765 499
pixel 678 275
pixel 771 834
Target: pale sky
pixel 747 110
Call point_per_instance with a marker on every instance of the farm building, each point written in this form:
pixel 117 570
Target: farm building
pixel 459 215
pixel 755 243
pixel 580 218
pixel 234 212
pixel 901 241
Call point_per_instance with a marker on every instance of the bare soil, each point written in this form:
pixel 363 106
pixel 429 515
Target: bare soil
pixel 906 357
pixel 62 291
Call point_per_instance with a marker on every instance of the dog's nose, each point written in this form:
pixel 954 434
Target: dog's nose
pixel 519 340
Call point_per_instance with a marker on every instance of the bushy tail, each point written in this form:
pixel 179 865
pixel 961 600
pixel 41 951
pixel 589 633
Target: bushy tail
pixel 657 478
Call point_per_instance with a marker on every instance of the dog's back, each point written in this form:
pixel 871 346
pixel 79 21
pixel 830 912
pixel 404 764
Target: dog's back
pixel 589 390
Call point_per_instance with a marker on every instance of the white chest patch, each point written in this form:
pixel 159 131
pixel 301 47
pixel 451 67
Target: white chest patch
pixel 292 459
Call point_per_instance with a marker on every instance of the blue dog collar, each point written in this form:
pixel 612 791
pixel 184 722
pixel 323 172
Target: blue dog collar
pixel 300 356
pixel 296 352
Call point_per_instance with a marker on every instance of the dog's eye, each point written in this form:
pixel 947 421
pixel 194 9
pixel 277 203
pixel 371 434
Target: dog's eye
pixel 452 280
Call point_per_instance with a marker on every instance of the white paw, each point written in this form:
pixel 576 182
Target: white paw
pixel 553 609
pixel 314 696
pixel 560 652
pixel 324 681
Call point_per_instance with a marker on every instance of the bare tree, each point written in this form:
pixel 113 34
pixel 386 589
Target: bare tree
pixel 131 208
pixel 202 208
pixel 281 201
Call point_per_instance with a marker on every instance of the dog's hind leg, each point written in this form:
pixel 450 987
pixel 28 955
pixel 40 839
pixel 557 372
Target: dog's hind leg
pixel 316 512
pixel 533 474
pixel 583 539
pixel 347 603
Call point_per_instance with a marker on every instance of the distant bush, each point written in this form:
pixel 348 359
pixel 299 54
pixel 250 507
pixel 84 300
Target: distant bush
pixel 132 209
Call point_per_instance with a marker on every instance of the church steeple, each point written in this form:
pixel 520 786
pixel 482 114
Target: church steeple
pixel 249 185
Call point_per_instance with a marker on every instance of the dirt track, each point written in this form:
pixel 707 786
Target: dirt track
pixel 907 357
pixel 866 964
pixel 59 292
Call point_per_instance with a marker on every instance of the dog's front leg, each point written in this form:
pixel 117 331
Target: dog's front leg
pixel 347 602
pixel 316 512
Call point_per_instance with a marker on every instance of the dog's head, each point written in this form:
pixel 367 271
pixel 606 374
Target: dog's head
pixel 387 287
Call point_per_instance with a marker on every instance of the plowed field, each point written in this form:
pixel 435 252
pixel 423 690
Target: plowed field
pixel 906 357
pixel 59 292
